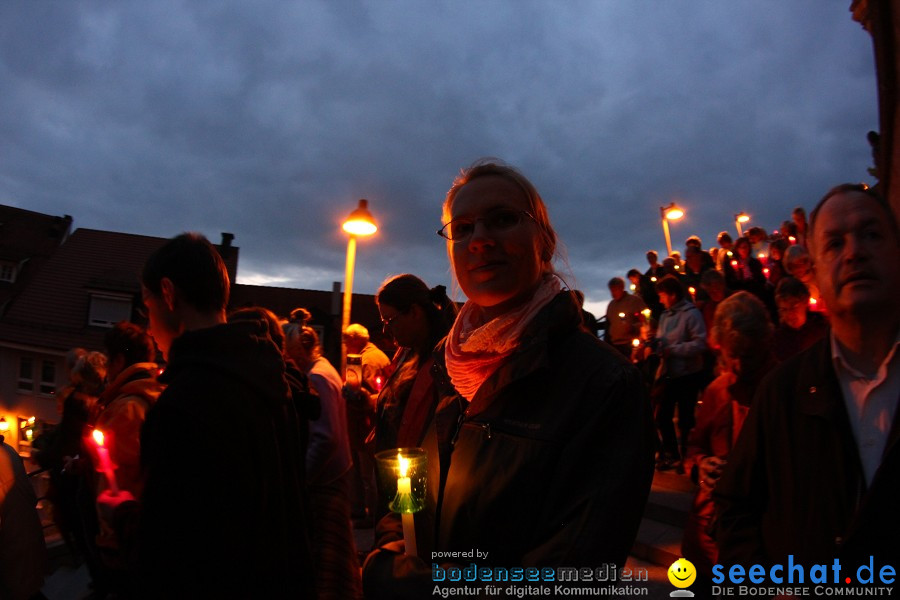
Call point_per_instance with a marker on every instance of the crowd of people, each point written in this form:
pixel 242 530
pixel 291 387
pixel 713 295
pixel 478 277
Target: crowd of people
pixel 666 323
pixel 707 331
pixel 242 458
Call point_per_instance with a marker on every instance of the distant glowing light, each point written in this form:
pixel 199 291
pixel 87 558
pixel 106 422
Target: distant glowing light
pixel 674 213
pixel 360 221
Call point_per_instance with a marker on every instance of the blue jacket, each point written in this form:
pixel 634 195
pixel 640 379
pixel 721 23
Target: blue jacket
pixel 682 333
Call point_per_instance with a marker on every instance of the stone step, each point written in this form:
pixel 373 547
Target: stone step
pixel 659 535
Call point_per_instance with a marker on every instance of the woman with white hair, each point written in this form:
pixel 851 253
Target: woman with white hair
pixel 743 332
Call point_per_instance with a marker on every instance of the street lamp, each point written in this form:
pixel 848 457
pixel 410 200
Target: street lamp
pixel 672 212
pixel 740 218
pixel 359 222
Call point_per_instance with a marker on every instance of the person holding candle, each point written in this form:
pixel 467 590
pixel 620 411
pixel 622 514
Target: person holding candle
pixel 743 271
pixel 131 391
pixel 541 449
pixel 681 344
pixel 798 264
pixel 623 316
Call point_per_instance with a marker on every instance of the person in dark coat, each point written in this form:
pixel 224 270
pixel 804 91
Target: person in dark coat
pixel 541 450
pixel 815 473
pixel 222 514
pixel 798 327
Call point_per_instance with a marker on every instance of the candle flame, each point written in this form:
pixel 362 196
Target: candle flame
pixel 646 312
pixel 734 263
pixel 653 279
pixel 813 301
pixel 404 465
pixel 98 437
pixel 621 315
pixel 635 342
pixel 692 290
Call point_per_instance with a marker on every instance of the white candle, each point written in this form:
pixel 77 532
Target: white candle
pixel 404 486
pixel 106 463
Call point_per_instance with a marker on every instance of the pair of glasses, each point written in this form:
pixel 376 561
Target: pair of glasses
pixel 499 220
pixel 385 323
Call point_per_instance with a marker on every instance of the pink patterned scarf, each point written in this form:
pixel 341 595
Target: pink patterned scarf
pixel 475 348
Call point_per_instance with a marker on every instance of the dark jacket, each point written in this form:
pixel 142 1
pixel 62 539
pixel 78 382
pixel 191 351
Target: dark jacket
pixel 794 482
pixel 735 280
pixel 222 511
pixel 550 464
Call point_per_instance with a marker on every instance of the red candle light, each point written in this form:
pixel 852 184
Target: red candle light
pixel 105 462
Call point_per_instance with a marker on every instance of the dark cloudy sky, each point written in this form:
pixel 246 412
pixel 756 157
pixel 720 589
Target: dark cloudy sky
pixel 270 119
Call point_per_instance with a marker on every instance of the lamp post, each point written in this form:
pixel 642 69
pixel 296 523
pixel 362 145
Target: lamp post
pixel 669 213
pixel 359 222
pixel 739 219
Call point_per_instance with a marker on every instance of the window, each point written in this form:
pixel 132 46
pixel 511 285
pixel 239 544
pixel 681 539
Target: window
pixel 26 374
pixel 108 309
pixel 7 272
pixel 48 377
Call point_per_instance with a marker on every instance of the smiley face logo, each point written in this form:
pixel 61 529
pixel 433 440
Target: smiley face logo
pixel 682 573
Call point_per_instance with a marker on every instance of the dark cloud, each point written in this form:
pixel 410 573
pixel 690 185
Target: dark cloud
pixel 270 120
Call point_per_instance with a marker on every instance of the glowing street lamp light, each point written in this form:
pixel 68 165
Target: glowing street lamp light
pixel 359 223
pixel 672 212
pixel 739 219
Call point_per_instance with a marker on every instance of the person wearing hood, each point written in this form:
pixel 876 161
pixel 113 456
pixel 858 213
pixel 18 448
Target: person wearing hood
pixel 222 511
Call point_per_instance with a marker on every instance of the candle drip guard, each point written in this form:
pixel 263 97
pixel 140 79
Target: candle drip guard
pixel 402 473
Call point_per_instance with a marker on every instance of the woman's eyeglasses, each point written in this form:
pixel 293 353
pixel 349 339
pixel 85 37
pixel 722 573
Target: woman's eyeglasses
pixel 385 323
pixel 499 220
